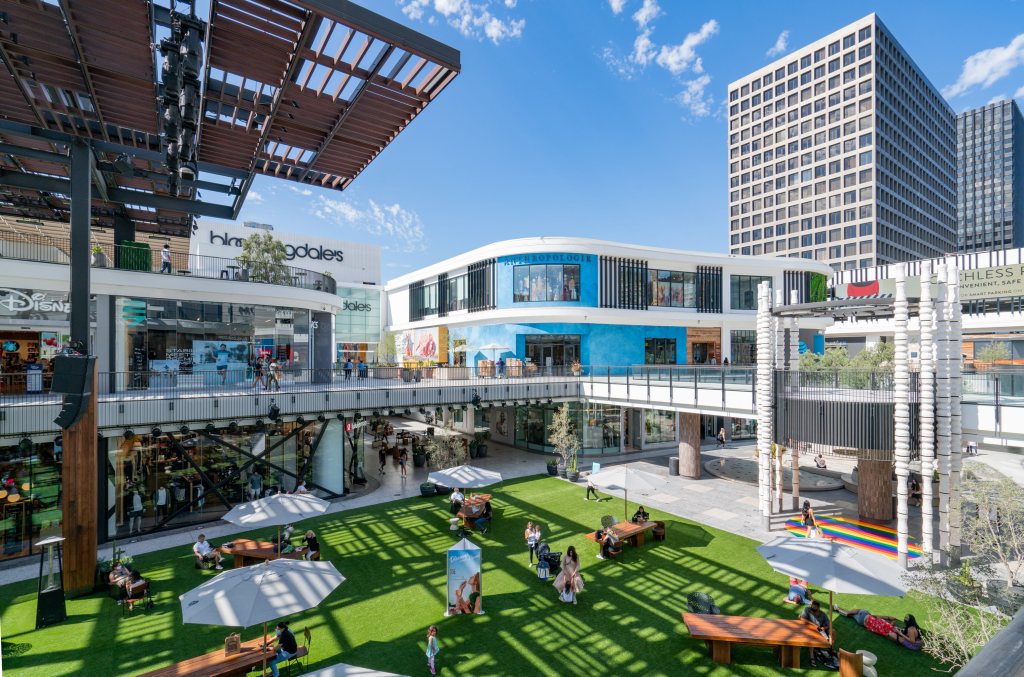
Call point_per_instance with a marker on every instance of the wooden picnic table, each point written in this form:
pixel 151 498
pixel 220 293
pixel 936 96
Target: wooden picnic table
pixel 247 552
pixel 216 664
pixel 472 508
pixel 628 531
pixel 786 636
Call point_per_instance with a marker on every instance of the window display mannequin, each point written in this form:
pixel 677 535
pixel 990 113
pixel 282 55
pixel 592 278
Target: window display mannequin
pixel 136 513
pixel 160 500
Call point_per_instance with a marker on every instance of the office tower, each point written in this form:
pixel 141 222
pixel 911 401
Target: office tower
pixel 842 152
pixel 990 177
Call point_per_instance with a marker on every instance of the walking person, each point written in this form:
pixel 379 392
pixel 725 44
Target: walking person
pixel 382 456
pixel 348 368
pixel 403 461
pixel 809 521
pixel 432 648
pixel 165 259
pixel 532 536
pixel 591 489
pixel 274 375
pixel 721 438
pixel 257 372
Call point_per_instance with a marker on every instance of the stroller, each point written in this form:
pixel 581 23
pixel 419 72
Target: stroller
pixel 553 560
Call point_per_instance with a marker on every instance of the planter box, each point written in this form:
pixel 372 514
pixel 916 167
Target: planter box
pixel 553 470
pixel 572 475
pixel 384 372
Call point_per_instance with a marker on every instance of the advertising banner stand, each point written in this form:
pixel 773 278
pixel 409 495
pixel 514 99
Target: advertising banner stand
pixel 464 592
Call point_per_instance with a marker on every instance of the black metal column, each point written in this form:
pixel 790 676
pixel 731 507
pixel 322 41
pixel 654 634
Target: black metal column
pixel 124 231
pixel 81 214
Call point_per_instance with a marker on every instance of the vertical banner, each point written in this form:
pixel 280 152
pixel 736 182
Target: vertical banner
pixel 464 593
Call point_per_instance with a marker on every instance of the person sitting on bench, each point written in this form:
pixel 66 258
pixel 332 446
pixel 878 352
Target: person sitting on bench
pixel 609 545
pixel 456 499
pixel 484 520
pixel 640 516
pixel 204 552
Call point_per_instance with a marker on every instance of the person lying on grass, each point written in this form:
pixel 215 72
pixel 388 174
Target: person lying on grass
pixel 909 637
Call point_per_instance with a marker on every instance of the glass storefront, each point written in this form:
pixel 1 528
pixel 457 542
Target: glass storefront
pixel 552 350
pixel 357 328
pixel 174 479
pixel 659 351
pixel 30 495
pixel 744 346
pixel 598 425
pixel 659 426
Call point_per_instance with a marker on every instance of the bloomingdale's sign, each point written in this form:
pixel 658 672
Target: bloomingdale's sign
pixel 292 252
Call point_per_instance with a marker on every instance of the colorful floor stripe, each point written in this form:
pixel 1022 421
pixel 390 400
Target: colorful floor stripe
pixel 859 534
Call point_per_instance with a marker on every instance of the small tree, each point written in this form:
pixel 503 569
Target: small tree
pixel 388 351
pixel 562 433
pixel 998 351
pixel 445 450
pixel 264 257
pixel 992 521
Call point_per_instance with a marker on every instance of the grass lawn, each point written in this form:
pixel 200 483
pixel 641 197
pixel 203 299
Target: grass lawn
pixel 627 620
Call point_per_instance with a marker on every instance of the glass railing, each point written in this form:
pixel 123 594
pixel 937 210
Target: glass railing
pixel 45 249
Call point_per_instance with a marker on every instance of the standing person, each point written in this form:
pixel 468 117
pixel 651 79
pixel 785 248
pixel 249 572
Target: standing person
pixel 287 647
pixel 165 259
pixel 274 375
pixel 501 367
pixel 382 456
pixel 257 372
pixel 569 582
pixel 809 521
pixel 725 362
pixel 222 363
pixel 432 648
pixel 532 536
pixel 348 368
pixel 591 489
pixel 403 461
pixel 721 438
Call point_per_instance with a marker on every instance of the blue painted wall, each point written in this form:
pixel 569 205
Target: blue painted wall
pixel 588 278
pixel 600 344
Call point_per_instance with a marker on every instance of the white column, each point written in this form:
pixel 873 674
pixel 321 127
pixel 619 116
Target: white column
pixel 901 401
pixel 779 325
pixel 926 425
pixel 726 344
pixel 942 409
pixel 954 341
pixel 793 379
pixel 765 341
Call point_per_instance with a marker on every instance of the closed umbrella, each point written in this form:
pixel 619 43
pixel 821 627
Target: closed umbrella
pixel 625 480
pixel 276 511
pixel 261 593
pixel 835 567
pixel 465 476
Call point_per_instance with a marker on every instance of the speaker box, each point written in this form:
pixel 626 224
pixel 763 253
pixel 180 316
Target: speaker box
pixel 72 374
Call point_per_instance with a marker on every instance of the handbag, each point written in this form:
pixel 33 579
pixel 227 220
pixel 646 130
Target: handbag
pixel 542 570
pixel 567 596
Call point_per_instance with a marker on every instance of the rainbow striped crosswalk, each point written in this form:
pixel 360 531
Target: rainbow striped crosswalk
pixel 859 534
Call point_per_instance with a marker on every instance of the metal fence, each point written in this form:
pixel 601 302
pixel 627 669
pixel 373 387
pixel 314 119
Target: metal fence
pixel 45 249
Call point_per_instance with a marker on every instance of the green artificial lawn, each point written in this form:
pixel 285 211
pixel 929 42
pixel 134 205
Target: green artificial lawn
pixel 393 556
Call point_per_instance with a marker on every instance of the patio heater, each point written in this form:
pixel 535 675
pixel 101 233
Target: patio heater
pixel 50 607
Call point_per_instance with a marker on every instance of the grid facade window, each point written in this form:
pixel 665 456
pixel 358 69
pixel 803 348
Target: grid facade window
pixel 854 136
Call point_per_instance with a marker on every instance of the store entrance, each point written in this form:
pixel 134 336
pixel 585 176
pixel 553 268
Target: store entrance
pixel 553 350
pixel 702 352
pixel 26 360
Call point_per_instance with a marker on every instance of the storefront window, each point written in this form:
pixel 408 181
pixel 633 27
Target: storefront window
pixel 672 288
pixel 598 426
pixel 743 291
pixel 552 282
pixel 659 426
pixel 744 346
pixel 659 351
pixel 457 293
pixel 30 495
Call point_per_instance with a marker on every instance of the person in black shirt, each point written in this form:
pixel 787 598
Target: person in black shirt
pixel 287 647
pixel 312 545
pixel 484 520
pixel 640 515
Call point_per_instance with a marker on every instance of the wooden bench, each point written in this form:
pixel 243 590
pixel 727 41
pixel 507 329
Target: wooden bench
pixel 627 531
pixel 247 552
pixel 472 509
pixel 786 636
pixel 216 664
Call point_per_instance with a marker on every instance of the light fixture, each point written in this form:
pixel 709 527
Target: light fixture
pixel 301 420
pixel 259 423
pixel 156 432
pixel 376 414
pixel 391 412
pixel 341 416
pixel 129 435
pixel 408 411
pixel 183 430
pixel 233 427
pixel 320 418
pixel 25 445
pixel 210 428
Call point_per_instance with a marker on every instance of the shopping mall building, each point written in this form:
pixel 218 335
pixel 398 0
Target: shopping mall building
pixel 543 304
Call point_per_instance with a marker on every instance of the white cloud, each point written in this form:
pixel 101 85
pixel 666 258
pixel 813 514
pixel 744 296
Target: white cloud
pixel 678 58
pixel 254 198
pixel 304 192
pixel 997 98
pixel 780 46
pixel 694 98
pixel 647 13
pixel 617 6
pixel 1019 94
pixel 471 19
pixel 987 67
pixel 401 228
pixel 644 49
pixel 621 66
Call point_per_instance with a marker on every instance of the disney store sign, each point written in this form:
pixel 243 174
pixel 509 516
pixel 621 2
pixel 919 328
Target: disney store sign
pixel 33 303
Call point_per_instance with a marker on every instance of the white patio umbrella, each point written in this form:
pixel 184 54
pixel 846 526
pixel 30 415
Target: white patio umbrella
pixel 276 510
pixel 261 593
pixel 494 347
pixel 465 476
pixel 835 567
pixel 625 479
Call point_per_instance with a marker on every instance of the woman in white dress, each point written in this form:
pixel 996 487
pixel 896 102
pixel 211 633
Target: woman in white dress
pixel 569 582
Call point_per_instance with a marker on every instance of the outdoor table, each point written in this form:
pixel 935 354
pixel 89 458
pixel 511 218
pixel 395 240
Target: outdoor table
pixel 786 636
pixel 247 552
pixel 628 531
pixel 472 508
pixel 216 664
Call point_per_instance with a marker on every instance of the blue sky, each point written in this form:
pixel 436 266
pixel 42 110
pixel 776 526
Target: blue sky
pixel 603 118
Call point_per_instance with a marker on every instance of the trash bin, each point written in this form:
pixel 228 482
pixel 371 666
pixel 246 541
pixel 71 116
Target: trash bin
pixel 673 466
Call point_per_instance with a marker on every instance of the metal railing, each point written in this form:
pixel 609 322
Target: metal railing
pixel 44 249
